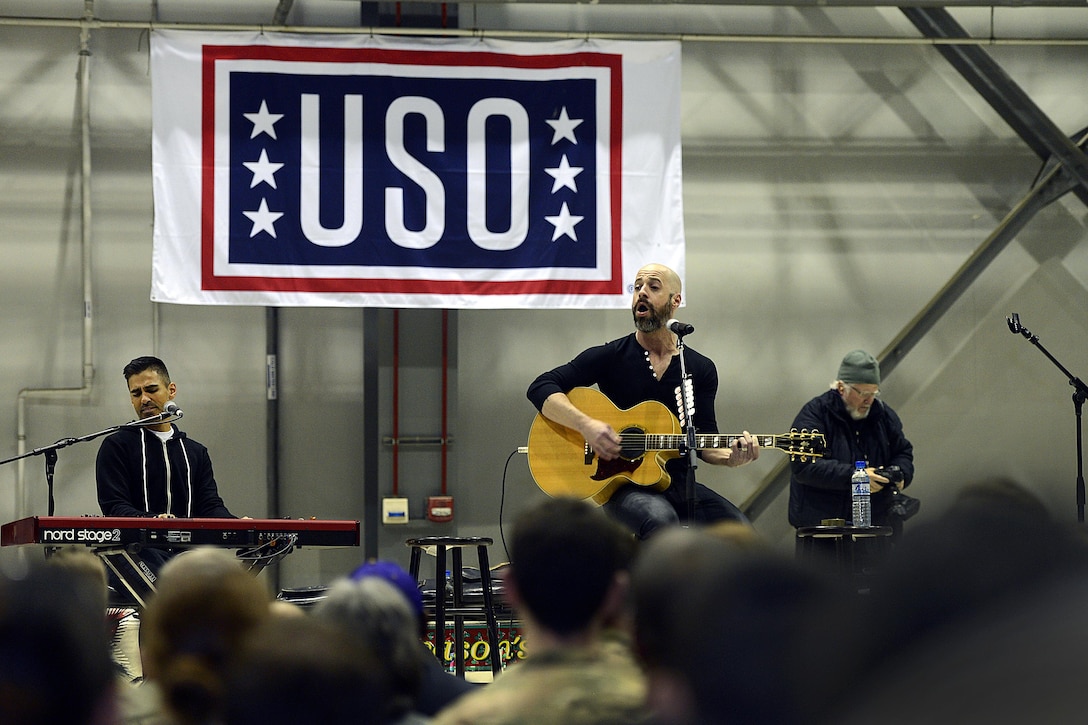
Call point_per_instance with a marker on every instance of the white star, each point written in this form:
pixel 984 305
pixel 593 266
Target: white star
pixel 564 127
pixel 564 223
pixel 263 219
pixel 265 122
pixel 265 170
pixel 564 175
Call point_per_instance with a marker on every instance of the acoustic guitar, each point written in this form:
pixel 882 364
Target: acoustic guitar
pixel 563 464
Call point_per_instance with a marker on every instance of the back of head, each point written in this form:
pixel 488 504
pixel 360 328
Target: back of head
pixel 564 556
pixel 376 613
pixel 395 574
pixel 304 671
pixel 84 564
pixel 670 560
pixel 205 604
pixel 996 543
pixel 55 664
pixel 764 631
pixel 975 614
pixel 732 624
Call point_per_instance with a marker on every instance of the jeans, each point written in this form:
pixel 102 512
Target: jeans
pixel 644 511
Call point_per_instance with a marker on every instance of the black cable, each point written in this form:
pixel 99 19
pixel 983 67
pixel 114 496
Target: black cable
pixel 502 501
pixel 270 552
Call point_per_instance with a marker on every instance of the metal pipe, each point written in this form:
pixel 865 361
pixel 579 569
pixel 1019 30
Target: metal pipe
pixel 540 34
pixel 272 426
pixel 80 393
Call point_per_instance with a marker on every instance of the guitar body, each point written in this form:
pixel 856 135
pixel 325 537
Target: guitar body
pixel 563 465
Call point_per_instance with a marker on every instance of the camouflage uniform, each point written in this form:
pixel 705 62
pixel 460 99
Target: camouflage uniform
pixel 576 686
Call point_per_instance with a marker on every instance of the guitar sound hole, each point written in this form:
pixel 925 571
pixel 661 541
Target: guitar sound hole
pixel 632 443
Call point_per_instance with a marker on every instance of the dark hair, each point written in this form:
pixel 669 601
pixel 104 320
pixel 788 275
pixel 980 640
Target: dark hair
pixel 147 362
pixel 304 670
pixel 55 662
pixel 206 604
pixel 564 555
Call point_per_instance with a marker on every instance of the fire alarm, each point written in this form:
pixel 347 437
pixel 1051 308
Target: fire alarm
pixel 440 508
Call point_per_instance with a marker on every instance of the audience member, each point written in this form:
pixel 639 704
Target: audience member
pixel 206 603
pixel 122 623
pixel 438 688
pixel 729 631
pixel 567 579
pixel 978 617
pixel 55 664
pixel 305 671
pixel 374 611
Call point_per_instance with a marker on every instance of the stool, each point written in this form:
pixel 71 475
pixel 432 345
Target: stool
pixel 458 609
pixel 851 550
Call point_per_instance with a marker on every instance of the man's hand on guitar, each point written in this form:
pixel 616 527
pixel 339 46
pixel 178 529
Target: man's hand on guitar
pixel 743 451
pixel 603 439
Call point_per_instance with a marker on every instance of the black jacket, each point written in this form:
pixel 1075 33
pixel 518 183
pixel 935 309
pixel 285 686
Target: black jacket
pixel 820 488
pixel 134 467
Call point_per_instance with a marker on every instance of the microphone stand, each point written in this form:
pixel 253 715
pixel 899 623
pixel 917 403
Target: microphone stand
pixel 50 452
pixel 1080 393
pixel 688 445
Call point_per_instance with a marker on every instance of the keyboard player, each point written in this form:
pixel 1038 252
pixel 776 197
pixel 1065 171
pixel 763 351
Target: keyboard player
pixel 155 470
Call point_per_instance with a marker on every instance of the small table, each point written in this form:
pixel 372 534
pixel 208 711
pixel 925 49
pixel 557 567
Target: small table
pixel 855 551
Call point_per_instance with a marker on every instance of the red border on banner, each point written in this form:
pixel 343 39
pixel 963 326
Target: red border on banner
pixel 210 281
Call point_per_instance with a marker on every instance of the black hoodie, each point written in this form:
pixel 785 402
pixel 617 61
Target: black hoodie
pixel 140 475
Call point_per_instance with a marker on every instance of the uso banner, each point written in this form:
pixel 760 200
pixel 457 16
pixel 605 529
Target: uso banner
pixel 296 170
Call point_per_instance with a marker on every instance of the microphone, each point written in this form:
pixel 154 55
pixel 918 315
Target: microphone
pixel 1014 323
pixel 172 408
pixel 680 328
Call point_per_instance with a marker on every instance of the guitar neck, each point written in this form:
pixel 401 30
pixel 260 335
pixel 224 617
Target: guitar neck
pixel 672 441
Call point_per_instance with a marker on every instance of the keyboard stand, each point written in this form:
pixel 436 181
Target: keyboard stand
pixel 131 571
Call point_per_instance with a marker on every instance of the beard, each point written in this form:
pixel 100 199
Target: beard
pixel 657 319
pixel 858 414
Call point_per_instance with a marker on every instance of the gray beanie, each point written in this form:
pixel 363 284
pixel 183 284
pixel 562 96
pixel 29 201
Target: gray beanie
pixel 859 367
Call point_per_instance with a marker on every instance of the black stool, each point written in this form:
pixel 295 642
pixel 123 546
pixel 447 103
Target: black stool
pixel 855 551
pixel 458 610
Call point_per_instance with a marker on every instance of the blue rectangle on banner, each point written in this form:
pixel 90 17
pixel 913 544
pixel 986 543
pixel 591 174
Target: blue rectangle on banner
pixel 412 171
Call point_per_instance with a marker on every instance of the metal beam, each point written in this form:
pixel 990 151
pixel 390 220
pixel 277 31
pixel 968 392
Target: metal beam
pixel 283 9
pixel 1065 170
pixel 1054 184
pixel 1002 93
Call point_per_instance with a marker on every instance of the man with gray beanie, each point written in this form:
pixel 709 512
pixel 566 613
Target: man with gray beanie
pixel 857 426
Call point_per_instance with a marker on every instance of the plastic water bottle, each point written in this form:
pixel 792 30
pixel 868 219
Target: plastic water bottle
pixel 859 483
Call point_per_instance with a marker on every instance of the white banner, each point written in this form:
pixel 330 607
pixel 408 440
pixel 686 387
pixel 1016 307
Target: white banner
pixel 300 170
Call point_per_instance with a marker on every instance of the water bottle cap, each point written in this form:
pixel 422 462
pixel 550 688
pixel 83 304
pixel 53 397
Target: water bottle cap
pixel 859 464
